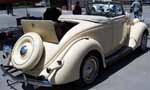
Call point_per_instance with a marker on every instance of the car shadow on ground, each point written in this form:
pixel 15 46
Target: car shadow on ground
pixel 113 68
pixel 118 65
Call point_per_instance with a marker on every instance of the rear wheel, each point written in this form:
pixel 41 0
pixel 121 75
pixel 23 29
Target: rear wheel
pixel 90 69
pixel 143 46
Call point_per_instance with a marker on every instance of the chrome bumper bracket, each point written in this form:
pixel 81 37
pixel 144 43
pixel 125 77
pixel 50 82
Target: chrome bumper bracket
pixel 19 77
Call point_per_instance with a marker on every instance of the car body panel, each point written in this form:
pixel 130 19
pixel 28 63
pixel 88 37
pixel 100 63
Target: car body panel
pixel 136 33
pixel 106 37
pixel 73 64
pixel 45 28
pixel 118 25
pixel 61 60
pixel 97 31
pixel 77 54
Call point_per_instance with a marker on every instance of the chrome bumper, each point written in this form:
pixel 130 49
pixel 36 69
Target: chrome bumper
pixel 19 77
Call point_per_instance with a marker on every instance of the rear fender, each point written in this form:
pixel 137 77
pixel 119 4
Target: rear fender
pixel 70 71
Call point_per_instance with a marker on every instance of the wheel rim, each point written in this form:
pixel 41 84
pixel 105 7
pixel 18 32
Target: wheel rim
pixel 90 69
pixel 144 42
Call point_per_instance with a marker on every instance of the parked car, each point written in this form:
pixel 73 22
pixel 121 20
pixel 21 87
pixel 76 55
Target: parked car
pixel 78 47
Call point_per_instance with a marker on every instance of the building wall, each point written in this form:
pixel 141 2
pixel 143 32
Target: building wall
pixel 129 1
pixel 70 3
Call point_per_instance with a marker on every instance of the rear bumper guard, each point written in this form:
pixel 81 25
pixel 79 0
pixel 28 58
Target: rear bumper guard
pixel 20 77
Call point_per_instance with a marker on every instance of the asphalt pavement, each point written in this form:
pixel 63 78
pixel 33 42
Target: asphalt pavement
pixel 129 73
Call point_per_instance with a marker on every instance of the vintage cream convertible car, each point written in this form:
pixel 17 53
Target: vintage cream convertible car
pixel 78 47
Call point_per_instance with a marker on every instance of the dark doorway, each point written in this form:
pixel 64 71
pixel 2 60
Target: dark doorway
pixel 59 3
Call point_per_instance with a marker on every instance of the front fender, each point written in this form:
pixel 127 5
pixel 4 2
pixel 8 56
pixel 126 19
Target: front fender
pixel 136 32
pixel 72 60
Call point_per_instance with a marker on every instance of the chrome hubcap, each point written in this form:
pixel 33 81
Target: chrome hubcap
pixel 23 50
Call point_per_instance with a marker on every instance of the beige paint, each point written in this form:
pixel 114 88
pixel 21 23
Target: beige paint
pixel 103 36
pixel 72 64
pixel 118 25
pixel 45 28
pixel 136 32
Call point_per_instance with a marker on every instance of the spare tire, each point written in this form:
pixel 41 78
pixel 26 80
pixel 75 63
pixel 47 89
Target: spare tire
pixel 27 51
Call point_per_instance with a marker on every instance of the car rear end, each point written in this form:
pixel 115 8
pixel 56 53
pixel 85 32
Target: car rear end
pixel 34 50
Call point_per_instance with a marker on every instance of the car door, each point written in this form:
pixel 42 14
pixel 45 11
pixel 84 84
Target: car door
pixel 105 37
pixel 119 27
pixel 118 31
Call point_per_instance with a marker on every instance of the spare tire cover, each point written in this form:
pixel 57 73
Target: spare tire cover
pixel 27 51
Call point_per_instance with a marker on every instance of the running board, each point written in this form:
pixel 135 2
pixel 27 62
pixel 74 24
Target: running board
pixel 119 54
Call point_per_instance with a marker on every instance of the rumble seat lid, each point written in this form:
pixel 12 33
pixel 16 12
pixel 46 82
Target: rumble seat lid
pixel 45 28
